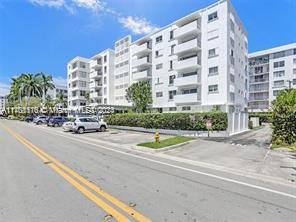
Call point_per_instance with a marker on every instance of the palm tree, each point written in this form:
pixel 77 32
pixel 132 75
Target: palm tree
pixel 16 89
pixel 87 97
pixel 61 100
pixel 45 82
pixel 31 86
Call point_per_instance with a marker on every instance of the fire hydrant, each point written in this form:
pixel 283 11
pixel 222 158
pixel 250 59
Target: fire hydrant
pixel 156 136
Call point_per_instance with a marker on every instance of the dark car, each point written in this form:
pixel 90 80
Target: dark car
pixel 56 121
pixel 29 119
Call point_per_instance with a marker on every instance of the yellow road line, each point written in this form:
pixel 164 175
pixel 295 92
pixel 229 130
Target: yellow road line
pixel 136 215
pixel 118 216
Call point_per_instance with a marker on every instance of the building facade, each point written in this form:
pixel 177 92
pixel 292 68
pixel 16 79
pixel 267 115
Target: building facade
pixel 3 101
pixel 78 83
pixel 59 89
pixel 271 71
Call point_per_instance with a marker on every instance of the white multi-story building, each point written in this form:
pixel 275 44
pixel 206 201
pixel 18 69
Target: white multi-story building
pixel 59 89
pixel 198 63
pixel 122 77
pixel 3 101
pixel 102 78
pixel 78 82
pixel 271 71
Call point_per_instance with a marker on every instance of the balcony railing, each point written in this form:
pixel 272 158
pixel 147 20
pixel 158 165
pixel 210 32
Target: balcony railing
pixel 187 80
pixel 95 94
pixel 191 45
pixel 191 62
pixel 187 98
pixel 141 49
pixel 188 29
pixel 95 74
pixel 95 85
pixel 145 61
pixel 142 75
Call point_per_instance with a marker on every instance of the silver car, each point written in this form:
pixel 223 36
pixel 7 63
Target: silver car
pixel 40 120
pixel 82 124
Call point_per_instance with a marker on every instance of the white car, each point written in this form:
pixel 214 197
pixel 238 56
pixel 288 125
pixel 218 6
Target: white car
pixel 68 126
pixel 82 124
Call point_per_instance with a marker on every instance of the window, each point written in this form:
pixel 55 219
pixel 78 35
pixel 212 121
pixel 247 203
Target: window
pixel 158 39
pixel 294 71
pixel 294 52
pixel 212 17
pixel 105 58
pixel 278 64
pixel 279 83
pixel 82 65
pixel 186 108
pixel 82 93
pixel 105 90
pixel 279 74
pixel 213 89
pixel 213 34
pixel 158 81
pixel 159 94
pixel 258 70
pixel 232 97
pixel 232 79
pixel 171 65
pixel 294 61
pixel 158 66
pixel 171 79
pixel 213 71
pixel 172 49
pixel 105 100
pixel 294 82
pixel 105 69
pixel 172 108
pixel 212 53
pixel 105 80
pixel 279 54
pixel 189 91
pixel 171 34
pixel 231 25
pixel 276 92
pixel 232 42
pixel 172 93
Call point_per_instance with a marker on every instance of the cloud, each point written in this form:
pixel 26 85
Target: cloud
pixel 49 3
pixel 60 81
pixel 4 89
pixel 137 25
pixel 94 5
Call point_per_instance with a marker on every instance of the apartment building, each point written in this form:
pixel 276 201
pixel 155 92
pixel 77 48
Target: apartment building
pixel 270 71
pixel 198 63
pixel 78 83
pixel 59 89
pixel 3 101
pixel 102 78
pixel 122 77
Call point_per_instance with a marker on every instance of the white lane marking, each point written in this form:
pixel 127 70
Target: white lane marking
pixel 183 168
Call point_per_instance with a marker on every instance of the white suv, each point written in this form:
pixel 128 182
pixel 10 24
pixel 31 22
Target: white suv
pixel 82 124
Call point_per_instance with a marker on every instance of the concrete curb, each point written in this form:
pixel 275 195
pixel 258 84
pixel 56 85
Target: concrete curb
pixel 151 150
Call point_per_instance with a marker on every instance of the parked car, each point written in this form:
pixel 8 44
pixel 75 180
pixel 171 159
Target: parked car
pixel 29 119
pixel 56 121
pixel 68 126
pixel 40 120
pixel 82 124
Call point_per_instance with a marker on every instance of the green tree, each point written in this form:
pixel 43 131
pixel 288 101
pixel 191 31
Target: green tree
pixel 140 95
pixel 49 103
pixel 87 97
pixel 31 86
pixel 284 118
pixel 45 83
pixel 61 100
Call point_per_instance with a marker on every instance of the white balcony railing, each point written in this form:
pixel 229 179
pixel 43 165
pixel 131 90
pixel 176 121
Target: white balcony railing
pixel 187 98
pixel 95 74
pixel 187 81
pixel 191 45
pixel 145 61
pixel 142 75
pixel 95 85
pixel 141 49
pixel 187 63
pixel 95 94
pixel 192 27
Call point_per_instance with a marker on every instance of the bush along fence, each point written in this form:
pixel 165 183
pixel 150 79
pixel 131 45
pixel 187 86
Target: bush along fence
pixel 171 121
pixel 264 117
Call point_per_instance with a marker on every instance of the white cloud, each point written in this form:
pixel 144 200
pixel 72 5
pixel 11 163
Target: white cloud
pixel 94 5
pixel 49 3
pixel 137 25
pixel 4 89
pixel 59 81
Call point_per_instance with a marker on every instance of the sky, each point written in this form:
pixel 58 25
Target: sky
pixel 43 35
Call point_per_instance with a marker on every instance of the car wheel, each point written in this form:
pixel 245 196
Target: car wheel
pixel 80 130
pixel 38 123
pixel 56 125
pixel 103 128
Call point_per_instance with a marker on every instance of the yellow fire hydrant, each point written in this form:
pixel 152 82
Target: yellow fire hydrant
pixel 156 136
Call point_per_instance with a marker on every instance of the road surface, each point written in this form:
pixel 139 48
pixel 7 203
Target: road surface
pixel 48 176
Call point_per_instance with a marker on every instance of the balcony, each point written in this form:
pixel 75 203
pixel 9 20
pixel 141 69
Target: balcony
pixel 187 98
pixel 77 97
pixel 256 81
pixel 96 64
pixel 95 75
pixel 95 94
pixel 188 29
pixel 187 81
pixel 189 46
pixel 186 64
pixel 141 49
pixel 142 75
pixel 95 85
pixel 258 98
pixel 142 62
pixel 259 90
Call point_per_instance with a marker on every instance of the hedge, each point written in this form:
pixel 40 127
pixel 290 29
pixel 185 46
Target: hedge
pixel 172 121
pixel 264 117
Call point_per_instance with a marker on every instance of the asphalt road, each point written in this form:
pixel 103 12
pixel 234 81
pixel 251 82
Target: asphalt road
pixel 47 176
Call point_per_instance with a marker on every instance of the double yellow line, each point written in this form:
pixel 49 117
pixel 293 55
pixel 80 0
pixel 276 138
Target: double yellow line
pixel 83 185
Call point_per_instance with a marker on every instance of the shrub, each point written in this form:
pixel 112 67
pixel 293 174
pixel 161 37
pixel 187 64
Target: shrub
pixel 250 124
pixel 284 118
pixel 172 121
pixel 264 117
